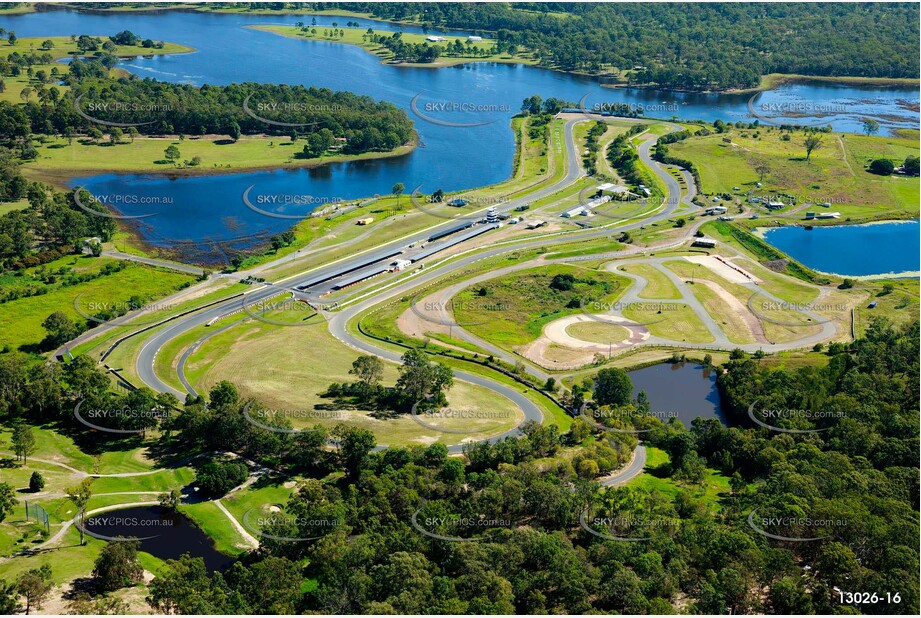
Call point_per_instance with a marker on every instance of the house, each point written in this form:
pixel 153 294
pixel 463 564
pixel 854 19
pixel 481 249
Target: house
pixel 704 242
pixel 434 39
pixel 620 192
pixel 474 39
pixel 598 201
pixel 715 210
pixel 775 205
pixel 339 143
pixel 575 212
pixel 366 221
pixel 536 224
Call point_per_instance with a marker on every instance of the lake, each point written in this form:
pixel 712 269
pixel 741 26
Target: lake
pixel 164 534
pixel 854 250
pixel 683 390
pixel 451 158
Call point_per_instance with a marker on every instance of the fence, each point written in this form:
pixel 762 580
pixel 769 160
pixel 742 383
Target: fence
pixel 39 514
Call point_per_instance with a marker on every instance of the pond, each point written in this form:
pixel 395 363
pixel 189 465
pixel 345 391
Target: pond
pixel 852 250
pixel 162 533
pixel 683 390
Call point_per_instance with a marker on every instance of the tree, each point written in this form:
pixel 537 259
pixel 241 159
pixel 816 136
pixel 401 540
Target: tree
pixel 761 167
pixel 35 586
pixel 170 500
pixel 36 482
pixel 234 131
pixel 397 190
pixel 883 167
pixel 911 165
pixel 7 500
pixel 82 604
pixel 354 446
pixel 132 133
pixel 184 588
pixel 223 394
pixel 117 566
pixel 613 387
pixel 61 329
pixel 115 135
pixel 171 153
pixel 80 495
pixel 9 598
pixel 369 369
pixel 216 478
pixel 870 127
pixel 812 142
pixel 23 441
pixel 420 378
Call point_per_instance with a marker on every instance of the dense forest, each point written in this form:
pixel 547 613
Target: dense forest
pixel 693 46
pixel 389 529
pixel 95 102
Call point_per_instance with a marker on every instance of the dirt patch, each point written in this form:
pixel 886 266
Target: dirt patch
pixel 729 272
pixel 752 325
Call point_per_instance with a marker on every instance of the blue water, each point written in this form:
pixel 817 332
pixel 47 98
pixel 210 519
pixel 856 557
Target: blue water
pixel 856 250
pixel 449 158
pixel 682 390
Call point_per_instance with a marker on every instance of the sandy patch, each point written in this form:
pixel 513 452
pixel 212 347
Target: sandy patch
pixel 752 324
pixel 724 269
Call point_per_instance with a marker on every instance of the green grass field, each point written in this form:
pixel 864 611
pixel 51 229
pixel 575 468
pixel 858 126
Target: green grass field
pixel 657 285
pixel 834 173
pixel 597 332
pixel 528 302
pixel 677 322
pixel 266 362
pixel 57 160
pixel 21 319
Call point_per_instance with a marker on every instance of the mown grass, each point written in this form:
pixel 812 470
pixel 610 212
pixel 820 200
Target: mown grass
pixel 658 285
pixel 267 362
pixel 58 159
pixel 674 321
pixel 528 302
pixel 834 173
pixel 597 332
pixel 21 319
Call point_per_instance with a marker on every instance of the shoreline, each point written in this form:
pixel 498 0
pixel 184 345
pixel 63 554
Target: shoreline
pixel 768 81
